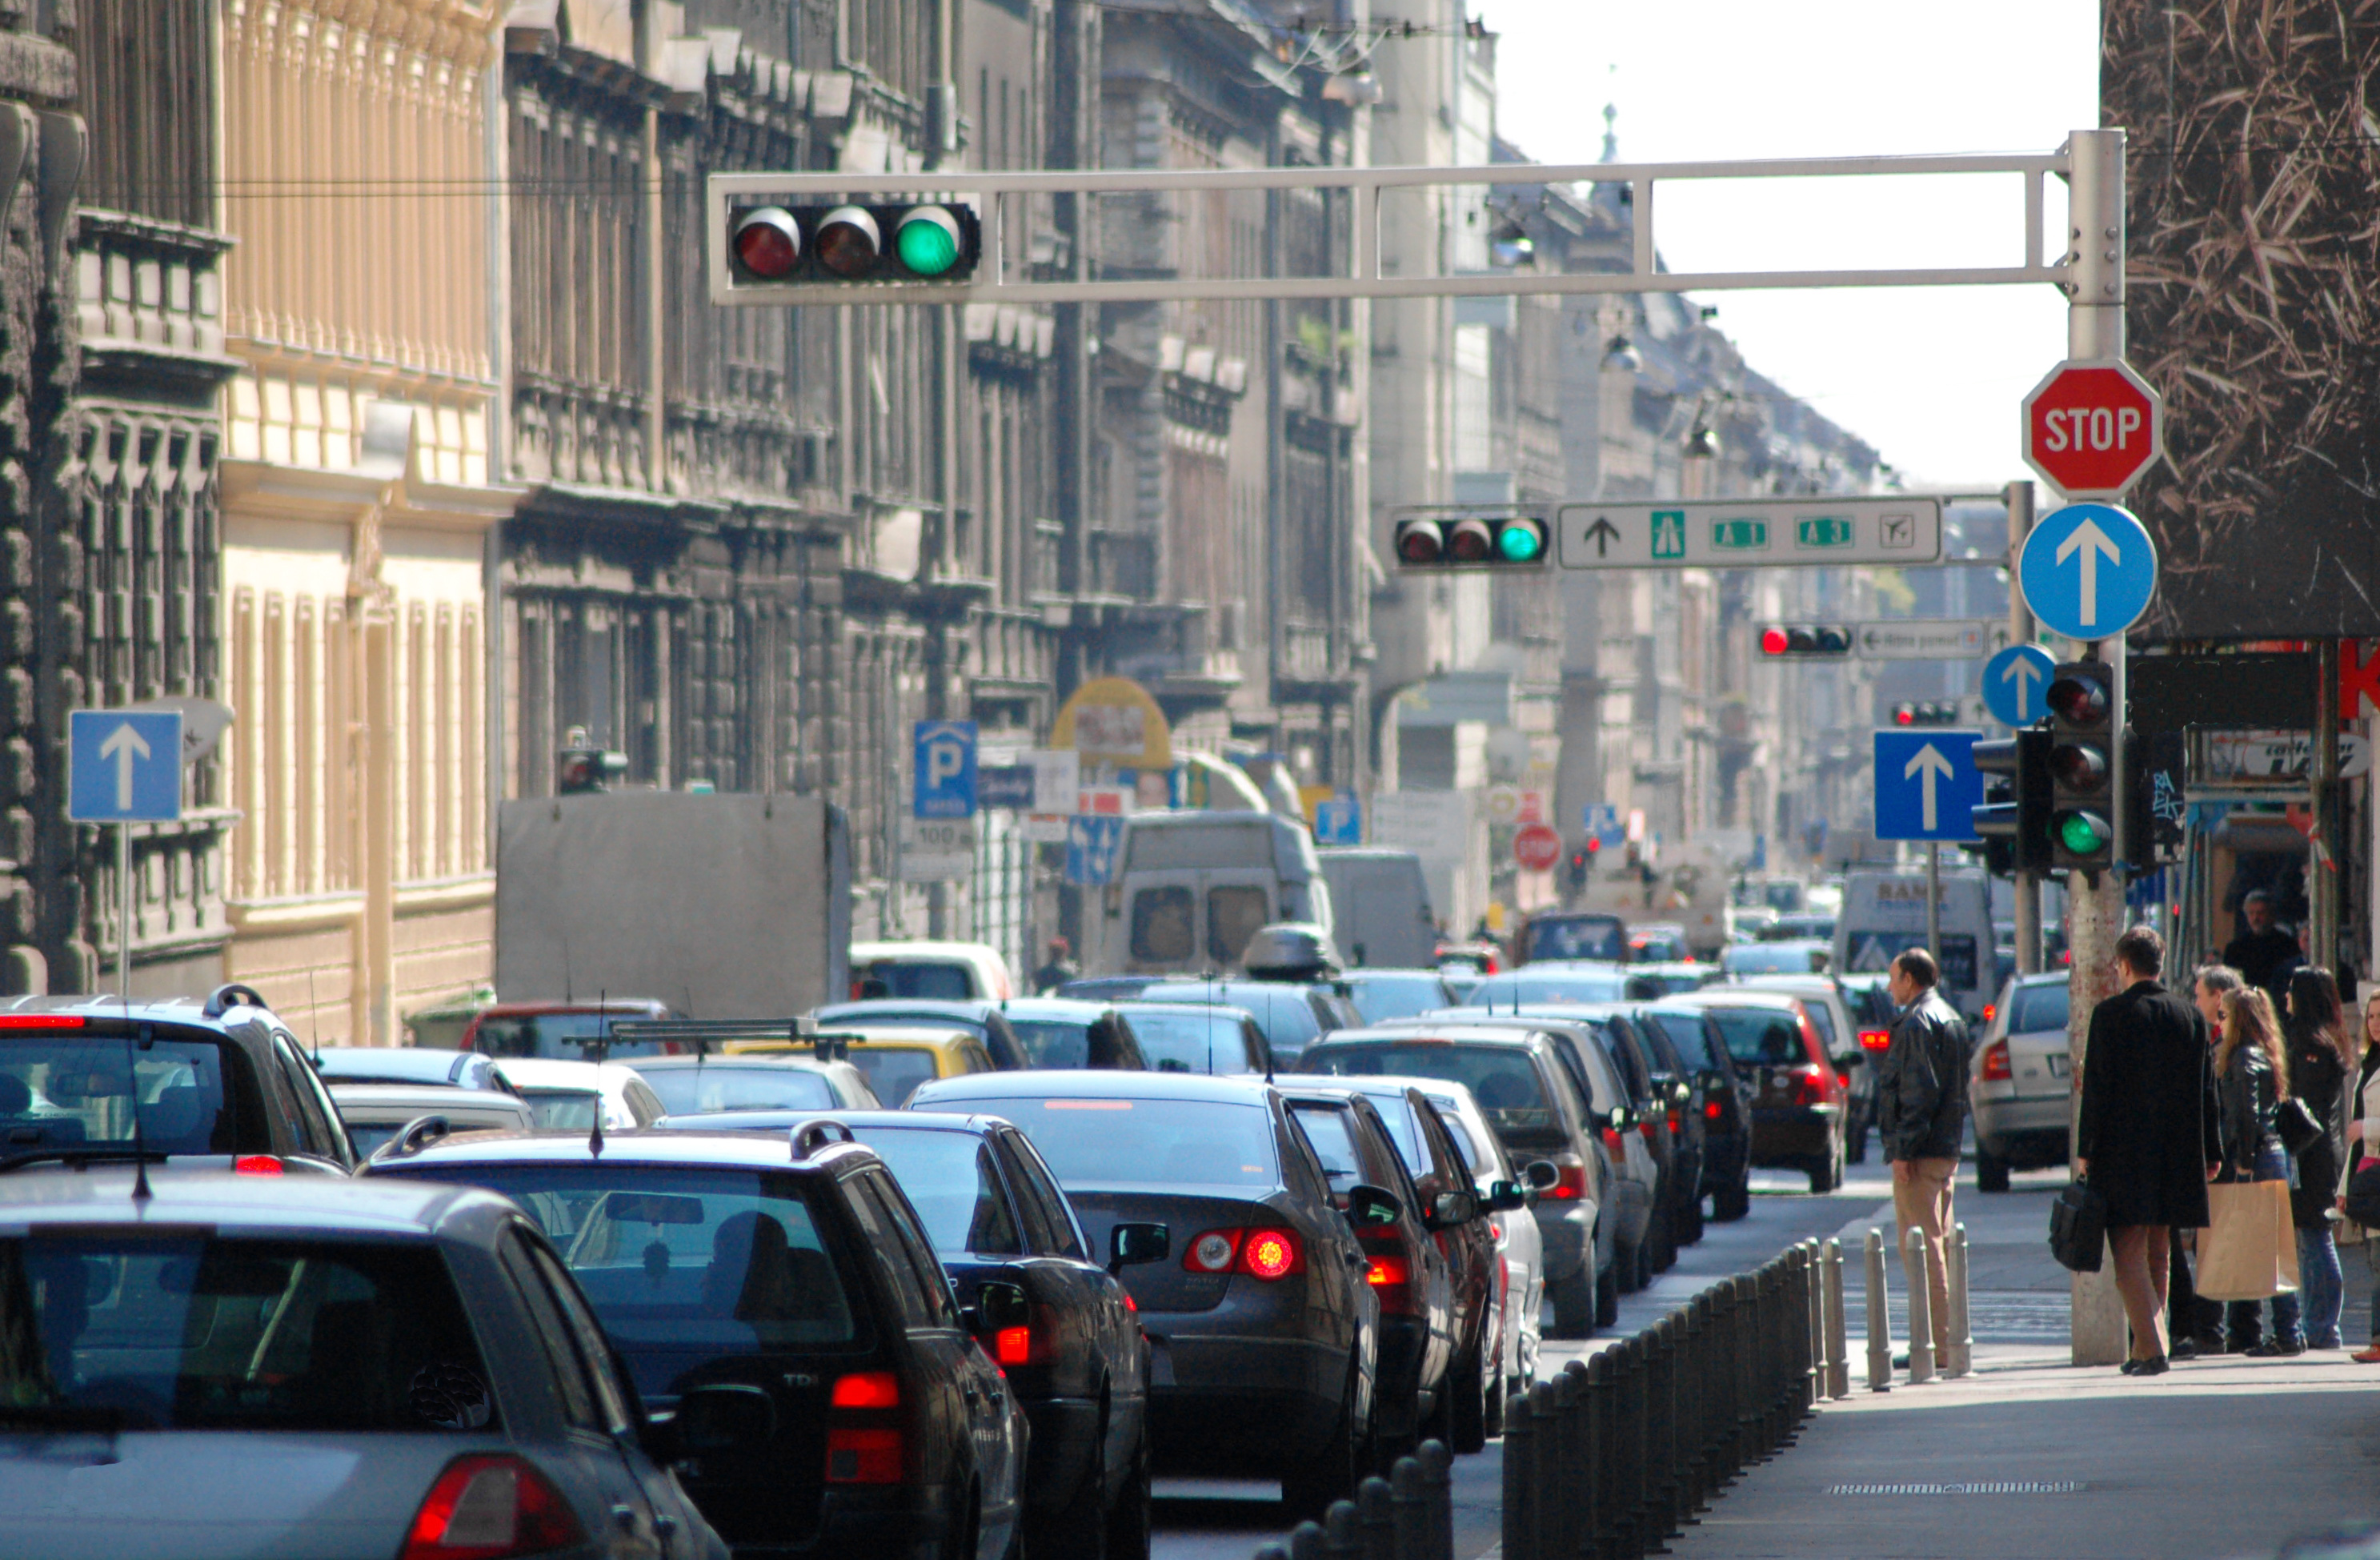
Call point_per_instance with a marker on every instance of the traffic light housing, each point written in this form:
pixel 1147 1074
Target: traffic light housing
pixel 1925 712
pixel 1486 540
pixel 2015 819
pixel 585 768
pixel 1805 642
pixel 2154 773
pixel 1581 859
pixel 928 241
pixel 2084 752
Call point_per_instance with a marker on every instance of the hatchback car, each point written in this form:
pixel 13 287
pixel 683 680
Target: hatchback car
pixel 418 1067
pixel 1058 1033
pixel 1799 1097
pixel 1572 934
pixel 1292 1017
pixel 1670 1099
pixel 1395 993
pixel 375 1113
pixel 1194 1036
pixel 701 1085
pixel 568 1096
pixel 1839 1015
pixel 1510 1199
pixel 2021 1083
pixel 1263 1334
pixel 944 971
pixel 782 1302
pixel 354 1370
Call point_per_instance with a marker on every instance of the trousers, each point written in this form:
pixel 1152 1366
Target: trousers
pixel 1922 1203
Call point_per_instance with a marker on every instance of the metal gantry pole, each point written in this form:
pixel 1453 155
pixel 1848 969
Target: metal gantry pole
pixel 2020 631
pixel 124 911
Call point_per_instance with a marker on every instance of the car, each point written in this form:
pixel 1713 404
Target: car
pixel 1849 1042
pixel 212 1082
pixel 1060 1032
pixel 242 1364
pixel 1799 1097
pixel 568 1096
pixel 777 1297
pixel 1197 1038
pixel 1106 988
pixel 987 1020
pixel 1570 934
pixel 894 1057
pixel 1793 925
pixel 563 1030
pixel 374 1113
pixel 1292 1016
pixel 1395 993
pixel 1468 1397
pixel 1722 1098
pixel 415 1066
pixel 1264 1337
pixel 1651 982
pixel 938 971
pixel 1671 1097
pixel 1511 1223
pixel 1800 955
pixel 1657 944
pixel 2021 1082
pixel 1521 1082
pixel 701 1084
pixel 1549 980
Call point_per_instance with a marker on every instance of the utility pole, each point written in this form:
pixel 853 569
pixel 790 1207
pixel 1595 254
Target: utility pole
pixel 2020 631
pixel 2095 329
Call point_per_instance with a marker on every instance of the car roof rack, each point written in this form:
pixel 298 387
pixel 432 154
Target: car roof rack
pixel 812 1136
pixel 703 1033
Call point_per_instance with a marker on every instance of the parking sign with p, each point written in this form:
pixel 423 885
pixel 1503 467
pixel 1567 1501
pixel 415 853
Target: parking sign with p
pixel 942 776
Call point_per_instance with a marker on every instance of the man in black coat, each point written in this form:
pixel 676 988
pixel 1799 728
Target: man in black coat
pixel 1921 1103
pixel 2263 954
pixel 2147 1140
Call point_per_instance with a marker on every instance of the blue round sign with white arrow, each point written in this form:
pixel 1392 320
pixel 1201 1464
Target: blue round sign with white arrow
pixel 2088 570
pixel 2016 684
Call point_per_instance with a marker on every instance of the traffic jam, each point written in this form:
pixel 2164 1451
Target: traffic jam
pixel 942 1270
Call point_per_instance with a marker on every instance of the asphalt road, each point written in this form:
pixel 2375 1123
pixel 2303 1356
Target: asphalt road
pixel 1229 1519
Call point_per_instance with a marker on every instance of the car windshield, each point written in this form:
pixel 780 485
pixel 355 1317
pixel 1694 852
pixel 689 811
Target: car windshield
pixel 950 1179
pixel 188 1330
pixel 2038 1009
pixel 683 1264
pixel 1379 997
pixel 59 1092
pixel 1499 1077
pixel 1577 937
pixel 1761 1037
pixel 893 1072
pixel 1688 1036
pixel 1053 1043
pixel 723 1086
pixel 920 980
pixel 565 1109
pixel 1531 985
pixel 1170 1142
pixel 1191 1042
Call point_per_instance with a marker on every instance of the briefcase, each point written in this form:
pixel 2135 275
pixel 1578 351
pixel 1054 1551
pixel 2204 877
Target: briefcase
pixel 2078 1227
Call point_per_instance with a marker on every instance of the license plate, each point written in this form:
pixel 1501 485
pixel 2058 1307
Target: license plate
pixel 2059 1063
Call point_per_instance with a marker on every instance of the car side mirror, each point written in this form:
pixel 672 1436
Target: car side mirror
pixel 1370 1208
pixel 1130 1245
pixel 1504 1197
pixel 1542 1175
pixel 1681 1092
pixel 1849 1060
pixel 1452 1210
pixel 1620 1118
pixel 998 1307
pixel 661 1442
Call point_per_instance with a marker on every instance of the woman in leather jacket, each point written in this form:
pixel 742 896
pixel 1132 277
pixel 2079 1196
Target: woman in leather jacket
pixel 2322 1063
pixel 2251 1080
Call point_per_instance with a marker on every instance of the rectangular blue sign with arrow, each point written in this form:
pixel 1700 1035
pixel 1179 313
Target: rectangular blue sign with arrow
pixel 124 766
pixel 1926 784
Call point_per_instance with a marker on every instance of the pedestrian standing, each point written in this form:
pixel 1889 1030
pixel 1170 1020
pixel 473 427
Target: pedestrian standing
pixel 2196 1323
pixel 2263 954
pixel 1921 1093
pixel 2321 1063
pixel 2252 1079
pixel 2363 1149
pixel 1061 968
pixel 2146 1134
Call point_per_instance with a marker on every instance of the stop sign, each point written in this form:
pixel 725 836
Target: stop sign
pixel 1536 847
pixel 2092 428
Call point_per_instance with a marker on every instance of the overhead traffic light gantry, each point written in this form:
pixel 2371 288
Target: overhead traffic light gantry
pixel 1805 641
pixel 2083 759
pixel 792 245
pixel 1483 539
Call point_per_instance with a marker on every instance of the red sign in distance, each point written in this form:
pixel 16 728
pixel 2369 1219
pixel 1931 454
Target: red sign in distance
pixel 2092 428
pixel 1537 846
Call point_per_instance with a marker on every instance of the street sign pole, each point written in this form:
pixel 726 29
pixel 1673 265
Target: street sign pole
pixel 124 911
pixel 2028 882
pixel 1934 898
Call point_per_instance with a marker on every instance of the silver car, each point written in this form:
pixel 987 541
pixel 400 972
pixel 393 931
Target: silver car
pixel 2020 1083
pixel 271 1365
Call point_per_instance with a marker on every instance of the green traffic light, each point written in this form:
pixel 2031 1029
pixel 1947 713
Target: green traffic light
pixel 928 242
pixel 2082 833
pixel 1520 542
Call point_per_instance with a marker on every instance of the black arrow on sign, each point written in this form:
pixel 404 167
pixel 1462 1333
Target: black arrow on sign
pixel 1603 533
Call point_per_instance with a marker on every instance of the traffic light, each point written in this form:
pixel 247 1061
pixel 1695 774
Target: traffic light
pixel 2153 771
pixel 1581 859
pixel 1503 541
pixel 1925 712
pixel 586 768
pixel 2083 759
pixel 855 243
pixel 1805 642
pixel 2015 818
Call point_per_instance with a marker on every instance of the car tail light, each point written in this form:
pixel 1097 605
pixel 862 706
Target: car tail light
pixel 1809 1085
pixel 1214 1251
pixel 1677 1123
pixel 1646 1127
pixel 866 1389
pixel 1268 1254
pixel 1875 1039
pixel 41 1020
pixel 863 1455
pixel 1611 1141
pixel 1996 1062
pixel 1387 1270
pixel 1572 1170
pixel 488 1508
pixel 1713 1110
pixel 1013 1346
pixel 256 1164
pixel 1991 1011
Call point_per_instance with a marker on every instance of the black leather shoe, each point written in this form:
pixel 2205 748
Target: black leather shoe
pixel 2157 1367
pixel 2185 1348
pixel 2276 1351
pixel 2129 1368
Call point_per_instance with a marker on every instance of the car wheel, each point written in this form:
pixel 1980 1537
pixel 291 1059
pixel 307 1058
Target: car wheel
pixel 1694 1222
pixel 1078 1530
pixel 1826 1173
pixel 1857 1154
pixel 1128 1523
pixel 1310 1485
pixel 1991 1175
pixel 1606 1296
pixel 1628 1267
pixel 1466 1391
pixel 1662 1255
pixel 1730 1203
pixel 1574 1302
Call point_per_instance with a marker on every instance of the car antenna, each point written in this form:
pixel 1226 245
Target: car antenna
pixel 565 970
pixel 603 1023
pixel 314 1018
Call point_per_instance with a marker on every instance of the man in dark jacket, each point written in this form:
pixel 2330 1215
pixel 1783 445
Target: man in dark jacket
pixel 2263 954
pixel 1921 1101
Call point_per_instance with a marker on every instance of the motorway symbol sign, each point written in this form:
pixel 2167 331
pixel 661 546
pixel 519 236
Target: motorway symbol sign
pixel 1926 639
pixel 1752 532
pixel 2088 570
pixel 1339 821
pixel 1926 784
pixel 124 766
pixel 942 777
pixel 2016 684
pixel 1537 846
pixel 2092 427
pixel 1091 841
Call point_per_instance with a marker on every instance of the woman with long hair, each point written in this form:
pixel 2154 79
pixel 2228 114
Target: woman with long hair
pixel 2252 1079
pixel 2362 1145
pixel 2322 1057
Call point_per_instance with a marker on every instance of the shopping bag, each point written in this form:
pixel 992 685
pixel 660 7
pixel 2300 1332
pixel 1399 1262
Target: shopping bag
pixel 2248 1250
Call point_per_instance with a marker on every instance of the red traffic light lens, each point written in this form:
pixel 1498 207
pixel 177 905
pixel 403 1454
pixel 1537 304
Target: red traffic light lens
pixel 1470 542
pixel 848 241
pixel 1904 714
pixel 2078 700
pixel 768 243
pixel 1773 642
pixel 1419 541
pixel 2078 766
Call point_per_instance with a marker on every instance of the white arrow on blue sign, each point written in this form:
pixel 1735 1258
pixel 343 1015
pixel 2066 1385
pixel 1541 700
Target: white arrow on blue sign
pixel 1926 784
pixel 1091 841
pixel 124 766
pixel 942 777
pixel 2016 684
pixel 2088 570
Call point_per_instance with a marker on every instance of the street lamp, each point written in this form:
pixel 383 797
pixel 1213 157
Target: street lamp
pixel 1621 357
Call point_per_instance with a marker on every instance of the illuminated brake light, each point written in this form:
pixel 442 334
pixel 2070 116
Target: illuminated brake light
pixel 1875 1039
pixel 1611 1141
pixel 1996 1062
pixel 1570 1184
pixel 1991 1011
pixel 1712 1110
pixel 488 1508
pixel 866 1389
pixel 1809 1085
pixel 1644 1128
pixel 1013 1346
pixel 1387 1270
pixel 1268 1254
pixel 41 1020
pixel 256 1164
pixel 858 1456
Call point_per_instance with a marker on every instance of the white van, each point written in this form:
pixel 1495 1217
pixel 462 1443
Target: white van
pixel 1885 912
pixel 1381 900
pixel 1192 887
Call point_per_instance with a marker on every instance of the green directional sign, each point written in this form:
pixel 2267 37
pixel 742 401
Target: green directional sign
pixel 1668 534
pixel 1817 532
pixel 1825 531
pixel 1740 534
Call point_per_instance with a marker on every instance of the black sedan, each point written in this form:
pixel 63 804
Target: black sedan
pixel 1057 1032
pixel 1263 1334
pixel 1292 1016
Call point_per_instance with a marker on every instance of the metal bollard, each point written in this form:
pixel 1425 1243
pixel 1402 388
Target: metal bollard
pixel 1305 1541
pixel 1409 1498
pixel 1920 1326
pixel 1670 1508
pixel 1376 1520
pixel 1343 1533
pixel 1963 1341
pixel 1549 1501
pixel 1814 1283
pixel 1519 1526
pixel 1838 1363
pixel 1694 1404
pixel 1879 1318
pixel 1572 1466
pixel 1602 1476
pixel 1437 1465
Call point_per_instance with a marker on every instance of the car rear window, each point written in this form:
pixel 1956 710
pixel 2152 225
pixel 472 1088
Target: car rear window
pixel 950 1180
pixel 1688 1036
pixel 1534 985
pixel 1281 1011
pixel 2038 1008
pixel 1501 1078
pixel 725 1087
pixel 1761 1037
pixel 60 1092
pixel 1577 937
pixel 1191 1042
pixel 1333 1137
pixel 1379 997
pixel 563 1109
pixel 919 980
pixel 893 1072
pixel 1175 1142
pixel 1053 1043
pixel 568 1036
pixel 197 1332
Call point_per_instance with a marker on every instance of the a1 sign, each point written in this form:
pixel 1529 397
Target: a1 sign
pixel 2092 428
